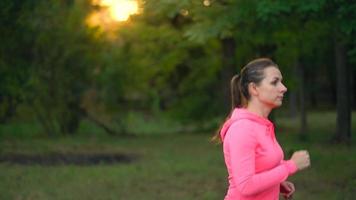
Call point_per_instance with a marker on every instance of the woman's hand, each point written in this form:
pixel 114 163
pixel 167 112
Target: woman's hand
pixel 301 159
pixel 287 189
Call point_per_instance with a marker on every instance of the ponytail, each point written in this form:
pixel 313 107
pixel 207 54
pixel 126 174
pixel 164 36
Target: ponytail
pixel 238 99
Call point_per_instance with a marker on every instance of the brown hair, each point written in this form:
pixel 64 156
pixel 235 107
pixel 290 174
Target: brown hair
pixel 253 72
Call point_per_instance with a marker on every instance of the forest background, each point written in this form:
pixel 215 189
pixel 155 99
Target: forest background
pixel 74 79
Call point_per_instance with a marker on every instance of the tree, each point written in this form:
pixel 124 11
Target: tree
pixel 13 70
pixel 61 57
pixel 345 29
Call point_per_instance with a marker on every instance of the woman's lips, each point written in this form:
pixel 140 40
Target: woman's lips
pixel 280 97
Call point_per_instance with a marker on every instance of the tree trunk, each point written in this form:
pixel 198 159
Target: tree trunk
pixel 70 118
pixel 45 118
pixel 101 124
pixel 293 104
pixel 311 95
pixel 9 108
pixel 107 129
pixel 293 109
pixel 228 70
pixel 343 126
pixel 352 85
pixel 303 114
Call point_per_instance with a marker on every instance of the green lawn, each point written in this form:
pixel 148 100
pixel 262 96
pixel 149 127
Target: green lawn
pixel 169 167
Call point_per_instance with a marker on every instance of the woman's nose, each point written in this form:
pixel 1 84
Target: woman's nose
pixel 284 88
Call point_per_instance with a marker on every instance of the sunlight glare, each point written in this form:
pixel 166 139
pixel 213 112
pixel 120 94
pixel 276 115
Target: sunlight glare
pixel 120 10
pixel 206 2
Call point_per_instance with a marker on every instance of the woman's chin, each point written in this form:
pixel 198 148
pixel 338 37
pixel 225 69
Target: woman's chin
pixel 278 104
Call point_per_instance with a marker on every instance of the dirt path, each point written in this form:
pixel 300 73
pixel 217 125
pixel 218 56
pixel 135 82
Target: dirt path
pixel 55 159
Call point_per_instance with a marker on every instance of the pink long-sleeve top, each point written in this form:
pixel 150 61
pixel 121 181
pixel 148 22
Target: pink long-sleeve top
pixel 253 157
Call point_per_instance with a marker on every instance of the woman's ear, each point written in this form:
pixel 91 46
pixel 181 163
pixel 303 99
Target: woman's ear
pixel 252 89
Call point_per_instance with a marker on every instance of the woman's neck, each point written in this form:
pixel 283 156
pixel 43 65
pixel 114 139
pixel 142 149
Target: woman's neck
pixel 259 110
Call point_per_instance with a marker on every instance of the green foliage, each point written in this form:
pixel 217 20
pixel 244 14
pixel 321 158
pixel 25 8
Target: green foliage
pixel 155 67
pixel 167 59
pixel 13 71
pixel 56 57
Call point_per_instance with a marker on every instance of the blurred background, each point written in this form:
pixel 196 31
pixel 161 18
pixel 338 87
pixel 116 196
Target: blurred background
pixel 118 99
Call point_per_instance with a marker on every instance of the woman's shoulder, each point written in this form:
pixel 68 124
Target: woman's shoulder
pixel 244 126
pixel 246 123
pixel 242 131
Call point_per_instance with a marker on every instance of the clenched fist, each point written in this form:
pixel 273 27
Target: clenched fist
pixel 301 159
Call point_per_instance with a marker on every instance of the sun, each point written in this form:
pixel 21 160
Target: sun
pixel 119 10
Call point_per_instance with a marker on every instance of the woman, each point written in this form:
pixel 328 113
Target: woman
pixel 253 157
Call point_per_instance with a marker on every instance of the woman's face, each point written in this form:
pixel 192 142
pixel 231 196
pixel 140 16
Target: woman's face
pixel 270 91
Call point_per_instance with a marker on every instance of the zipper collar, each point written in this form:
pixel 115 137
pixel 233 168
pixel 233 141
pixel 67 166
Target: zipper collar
pixel 243 113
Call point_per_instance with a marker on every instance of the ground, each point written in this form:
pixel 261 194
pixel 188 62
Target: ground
pixel 184 166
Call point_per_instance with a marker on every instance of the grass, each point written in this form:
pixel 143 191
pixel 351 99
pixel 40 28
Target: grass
pixel 170 166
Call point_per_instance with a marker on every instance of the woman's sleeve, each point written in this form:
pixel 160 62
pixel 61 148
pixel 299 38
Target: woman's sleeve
pixel 242 154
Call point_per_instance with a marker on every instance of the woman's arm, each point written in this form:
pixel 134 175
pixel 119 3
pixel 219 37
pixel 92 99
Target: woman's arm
pixel 242 145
